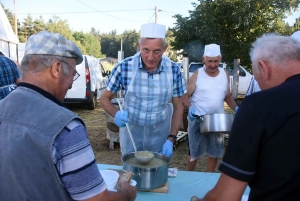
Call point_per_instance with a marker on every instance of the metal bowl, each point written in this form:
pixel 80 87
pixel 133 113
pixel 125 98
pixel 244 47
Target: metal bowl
pixel 148 178
pixel 216 123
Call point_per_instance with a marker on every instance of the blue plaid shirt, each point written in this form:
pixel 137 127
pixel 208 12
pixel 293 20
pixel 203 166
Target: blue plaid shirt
pixel 9 73
pixel 122 73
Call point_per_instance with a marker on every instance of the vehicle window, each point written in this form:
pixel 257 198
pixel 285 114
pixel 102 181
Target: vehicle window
pixel 230 71
pixel 241 71
pixel 194 67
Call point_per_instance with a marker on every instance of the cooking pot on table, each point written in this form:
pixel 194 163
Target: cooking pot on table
pixel 148 178
pixel 216 123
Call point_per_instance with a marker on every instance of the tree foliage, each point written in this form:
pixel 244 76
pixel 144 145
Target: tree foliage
pixel 233 24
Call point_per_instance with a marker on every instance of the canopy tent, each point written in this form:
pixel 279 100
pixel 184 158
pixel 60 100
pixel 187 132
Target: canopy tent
pixel 8 40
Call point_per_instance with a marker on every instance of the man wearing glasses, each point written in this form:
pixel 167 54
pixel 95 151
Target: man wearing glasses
pixel 46 153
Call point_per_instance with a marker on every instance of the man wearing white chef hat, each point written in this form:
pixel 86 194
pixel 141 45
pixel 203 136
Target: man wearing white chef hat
pixel 150 80
pixel 207 90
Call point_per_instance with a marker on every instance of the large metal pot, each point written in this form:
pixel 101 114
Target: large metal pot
pixel 148 178
pixel 216 123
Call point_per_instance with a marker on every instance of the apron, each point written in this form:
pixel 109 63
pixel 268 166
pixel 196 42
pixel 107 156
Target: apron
pixel 149 109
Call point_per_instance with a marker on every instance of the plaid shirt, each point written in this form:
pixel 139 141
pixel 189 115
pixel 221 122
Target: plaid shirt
pixel 122 73
pixel 9 73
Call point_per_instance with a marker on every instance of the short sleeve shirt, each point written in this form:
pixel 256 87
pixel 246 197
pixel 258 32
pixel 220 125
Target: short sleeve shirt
pixel 264 144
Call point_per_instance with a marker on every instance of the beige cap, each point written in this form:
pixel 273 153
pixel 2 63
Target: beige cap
pixel 212 50
pixel 153 30
pixel 47 43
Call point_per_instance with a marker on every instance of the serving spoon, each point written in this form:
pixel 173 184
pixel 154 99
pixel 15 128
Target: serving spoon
pixel 138 157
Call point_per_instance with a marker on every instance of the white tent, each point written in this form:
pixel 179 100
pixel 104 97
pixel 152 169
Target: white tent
pixel 8 40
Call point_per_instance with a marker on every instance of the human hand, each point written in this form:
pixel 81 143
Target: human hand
pixel 191 113
pixel 121 118
pixel 128 191
pixel 236 109
pixel 168 148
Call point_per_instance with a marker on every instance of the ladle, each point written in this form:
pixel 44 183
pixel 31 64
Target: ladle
pixel 140 159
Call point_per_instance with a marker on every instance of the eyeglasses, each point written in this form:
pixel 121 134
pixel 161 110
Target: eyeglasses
pixel 75 74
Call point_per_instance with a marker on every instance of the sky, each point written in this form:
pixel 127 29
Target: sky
pixel 103 15
pixel 107 15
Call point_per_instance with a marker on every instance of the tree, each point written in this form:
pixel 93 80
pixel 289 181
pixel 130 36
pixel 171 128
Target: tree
pixel 170 52
pixel 233 24
pixel 57 25
pixel 27 29
pixel 297 24
pixel 110 44
pixel 130 39
pixel 39 25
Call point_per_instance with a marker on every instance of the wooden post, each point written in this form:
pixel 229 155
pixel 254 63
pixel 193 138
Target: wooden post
pixel 235 79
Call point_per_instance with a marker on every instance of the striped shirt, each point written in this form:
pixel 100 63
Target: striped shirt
pixel 253 87
pixel 9 73
pixel 122 74
pixel 75 161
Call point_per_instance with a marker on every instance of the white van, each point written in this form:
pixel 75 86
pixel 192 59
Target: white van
pixel 89 86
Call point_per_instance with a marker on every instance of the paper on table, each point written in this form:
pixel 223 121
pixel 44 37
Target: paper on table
pixel 172 172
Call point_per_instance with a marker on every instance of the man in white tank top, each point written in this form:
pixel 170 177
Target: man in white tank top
pixel 207 90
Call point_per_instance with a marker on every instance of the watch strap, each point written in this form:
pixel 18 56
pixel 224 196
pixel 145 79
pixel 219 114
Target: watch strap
pixel 173 136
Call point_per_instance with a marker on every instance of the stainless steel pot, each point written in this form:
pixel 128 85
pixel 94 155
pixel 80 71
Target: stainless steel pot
pixel 216 123
pixel 148 178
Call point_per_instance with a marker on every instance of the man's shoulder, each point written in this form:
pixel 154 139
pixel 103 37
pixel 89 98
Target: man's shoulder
pixel 125 63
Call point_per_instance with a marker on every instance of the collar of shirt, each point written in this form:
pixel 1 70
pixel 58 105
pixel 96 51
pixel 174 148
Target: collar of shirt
pixel 160 68
pixel 42 92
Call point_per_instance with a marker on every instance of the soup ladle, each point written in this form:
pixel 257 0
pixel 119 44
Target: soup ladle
pixel 139 155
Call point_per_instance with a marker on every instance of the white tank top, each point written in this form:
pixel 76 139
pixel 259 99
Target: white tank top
pixel 208 97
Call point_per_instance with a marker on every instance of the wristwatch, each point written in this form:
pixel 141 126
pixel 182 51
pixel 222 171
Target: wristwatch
pixel 173 136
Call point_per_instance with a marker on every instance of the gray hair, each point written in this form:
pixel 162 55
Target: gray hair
pixel 275 49
pixel 36 63
pixel 163 40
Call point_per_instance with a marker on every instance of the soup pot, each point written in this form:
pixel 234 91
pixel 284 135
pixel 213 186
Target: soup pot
pixel 216 123
pixel 148 178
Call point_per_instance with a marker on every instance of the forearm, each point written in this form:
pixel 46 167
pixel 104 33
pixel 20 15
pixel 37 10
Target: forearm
pixel 105 101
pixel 177 115
pixel 230 102
pixel 186 100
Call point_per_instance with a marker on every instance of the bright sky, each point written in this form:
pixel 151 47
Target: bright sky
pixel 107 15
pixel 103 15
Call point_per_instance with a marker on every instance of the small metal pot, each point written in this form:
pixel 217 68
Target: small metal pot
pixel 216 123
pixel 148 178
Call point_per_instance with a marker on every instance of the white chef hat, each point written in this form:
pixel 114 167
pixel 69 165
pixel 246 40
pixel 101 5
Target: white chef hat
pixel 212 50
pixel 153 30
pixel 296 35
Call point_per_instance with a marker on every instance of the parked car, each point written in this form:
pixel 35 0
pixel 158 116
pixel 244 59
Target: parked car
pixel 244 75
pixel 244 79
pixel 91 83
